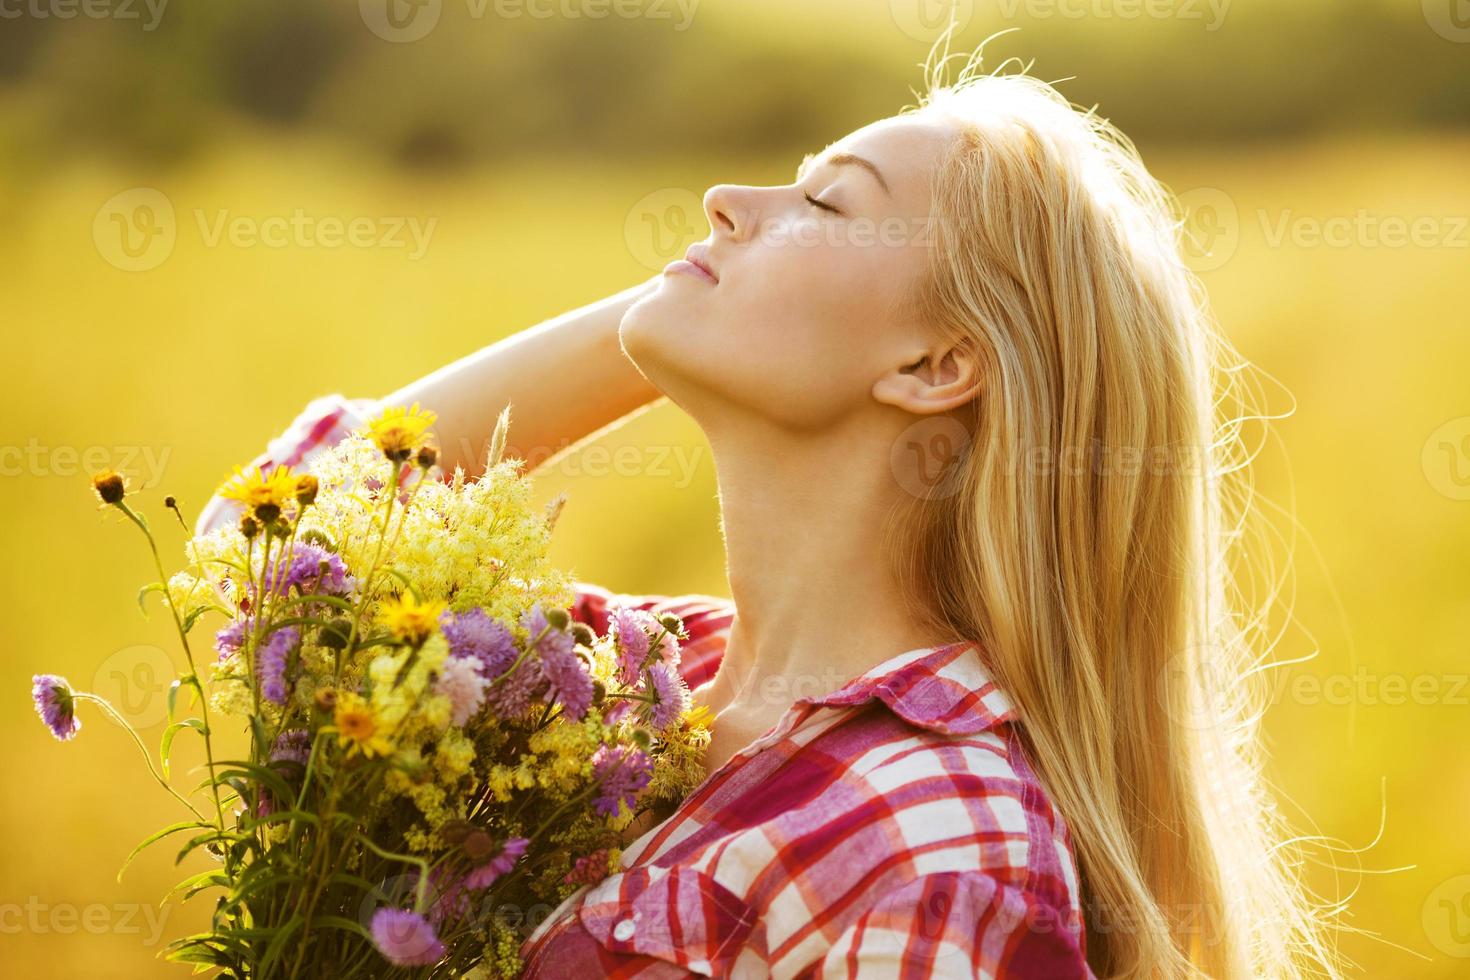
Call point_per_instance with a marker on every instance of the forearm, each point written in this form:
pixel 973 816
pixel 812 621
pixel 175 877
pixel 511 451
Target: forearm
pixel 565 379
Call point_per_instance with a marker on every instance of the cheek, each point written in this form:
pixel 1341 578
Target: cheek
pixel 792 336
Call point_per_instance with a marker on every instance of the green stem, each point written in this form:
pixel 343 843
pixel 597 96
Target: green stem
pixel 147 757
pixel 199 685
pixel 365 596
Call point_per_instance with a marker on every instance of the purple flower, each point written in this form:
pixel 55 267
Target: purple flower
pixel 485 875
pixel 534 621
pixel 292 745
pixel 629 630
pixel 264 806
pixel 450 898
pixel 621 772
pixel 460 680
pixel 511 694
pixel 56 705
pixel 668 648
pixel 312 569
pixel 571 682
pixel 406 938
pixel 231 637
pixel 615 713
pixel 671 692
pixel 270 663
pixel 475 635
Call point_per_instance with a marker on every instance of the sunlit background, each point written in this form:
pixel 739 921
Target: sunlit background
pixel 215 211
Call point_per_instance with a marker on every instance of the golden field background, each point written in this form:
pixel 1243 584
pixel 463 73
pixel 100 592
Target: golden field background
pixel 181 369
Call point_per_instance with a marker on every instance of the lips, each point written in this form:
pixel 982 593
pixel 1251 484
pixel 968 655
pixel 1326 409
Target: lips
pixel 698 254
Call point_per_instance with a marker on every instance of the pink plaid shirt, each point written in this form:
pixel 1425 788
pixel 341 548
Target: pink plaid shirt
pixel 891 828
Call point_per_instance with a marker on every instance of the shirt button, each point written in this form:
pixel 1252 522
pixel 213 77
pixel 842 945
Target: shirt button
pixel 623 931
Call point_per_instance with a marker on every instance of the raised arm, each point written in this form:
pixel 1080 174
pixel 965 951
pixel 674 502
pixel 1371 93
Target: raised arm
pixel 565 379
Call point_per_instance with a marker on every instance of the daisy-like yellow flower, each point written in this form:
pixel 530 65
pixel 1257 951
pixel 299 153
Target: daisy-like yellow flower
pixel 359 728
pixel 401 432
pixel 265 494
pixel 412 621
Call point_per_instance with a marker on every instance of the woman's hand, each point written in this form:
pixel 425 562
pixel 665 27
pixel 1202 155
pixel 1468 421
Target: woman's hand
pixel 565 379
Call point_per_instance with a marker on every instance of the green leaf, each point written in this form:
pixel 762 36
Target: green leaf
pixel 157 836
pixel 330 600
pixel 389 570
pixel 166 749
pixel 261 774
pixel 143 594
pixel 196 949
pixel 347 925
pixel 196 883
pixel 189 681
pixel 194 615
pixel 277 945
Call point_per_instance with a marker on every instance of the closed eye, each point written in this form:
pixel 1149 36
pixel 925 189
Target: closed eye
pixel 821 204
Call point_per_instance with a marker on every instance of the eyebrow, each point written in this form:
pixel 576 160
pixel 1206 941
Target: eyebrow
pixel 810 163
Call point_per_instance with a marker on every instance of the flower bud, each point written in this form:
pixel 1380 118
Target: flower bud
pixel 334 635
pixel 454 832
pixel 583 634
pixel 672 623
pixel 599 692
pixel 326 699
pixel 306 490
pixel 478 845
pixel 558 618
pixel 317 537
pixel 249 527
pixel 267 512
pixel 110 486
pixel 427 457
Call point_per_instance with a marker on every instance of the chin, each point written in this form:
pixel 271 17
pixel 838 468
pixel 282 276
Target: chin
pixel 647 334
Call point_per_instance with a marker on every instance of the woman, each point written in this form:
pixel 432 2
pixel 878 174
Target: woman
pixel 961 395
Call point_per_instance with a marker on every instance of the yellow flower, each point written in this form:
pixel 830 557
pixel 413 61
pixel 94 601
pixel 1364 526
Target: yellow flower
pixel 401 432
pixel 412 621
pixel 359 728
pixel 265 494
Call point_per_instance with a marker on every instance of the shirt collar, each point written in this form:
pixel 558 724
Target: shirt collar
pixel 943 688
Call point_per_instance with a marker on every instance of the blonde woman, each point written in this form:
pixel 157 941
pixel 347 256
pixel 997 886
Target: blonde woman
pixel 969 712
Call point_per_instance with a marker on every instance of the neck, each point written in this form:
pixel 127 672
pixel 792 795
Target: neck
pixel 816 601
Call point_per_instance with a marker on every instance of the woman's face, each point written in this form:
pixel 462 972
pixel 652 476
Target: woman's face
pixel 808 313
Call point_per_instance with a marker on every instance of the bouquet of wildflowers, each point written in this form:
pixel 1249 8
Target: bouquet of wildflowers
pixel 431 746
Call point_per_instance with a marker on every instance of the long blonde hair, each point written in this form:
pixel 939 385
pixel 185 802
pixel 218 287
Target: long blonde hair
pixel 1086 536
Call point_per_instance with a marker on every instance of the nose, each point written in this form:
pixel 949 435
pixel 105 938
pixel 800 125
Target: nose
pixel 722 207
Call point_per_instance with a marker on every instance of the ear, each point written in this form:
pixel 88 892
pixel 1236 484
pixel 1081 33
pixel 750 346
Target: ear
pixel 941 378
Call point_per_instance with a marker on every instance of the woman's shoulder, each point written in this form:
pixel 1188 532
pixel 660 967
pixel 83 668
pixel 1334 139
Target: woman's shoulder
pixel 945 802
pixel 928 840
